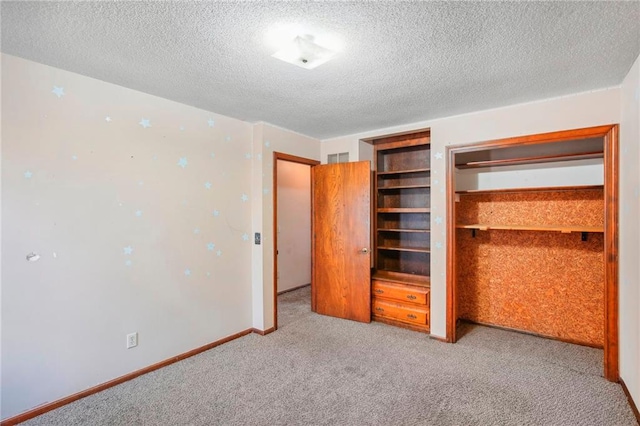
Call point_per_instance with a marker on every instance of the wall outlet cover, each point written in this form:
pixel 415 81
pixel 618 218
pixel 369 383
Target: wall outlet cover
pixel 132 340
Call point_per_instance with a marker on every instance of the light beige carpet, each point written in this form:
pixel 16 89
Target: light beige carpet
pixel 317 370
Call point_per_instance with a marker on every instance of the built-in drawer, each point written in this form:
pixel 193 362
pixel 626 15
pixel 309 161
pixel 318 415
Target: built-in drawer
pixel 400 292
pixel 412 314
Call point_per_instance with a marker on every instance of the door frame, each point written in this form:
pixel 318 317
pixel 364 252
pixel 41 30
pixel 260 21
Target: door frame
pixel 611 197
pixel 292 159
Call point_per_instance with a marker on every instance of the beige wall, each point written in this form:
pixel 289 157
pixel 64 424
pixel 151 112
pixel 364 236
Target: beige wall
pixel 565 173
pixel 267 140
pixel 340 145
pixel 630 232
pixel 294 225
pixel 79 191
pixel 569 112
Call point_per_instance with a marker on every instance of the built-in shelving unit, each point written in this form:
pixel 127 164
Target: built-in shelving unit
pixel 400 282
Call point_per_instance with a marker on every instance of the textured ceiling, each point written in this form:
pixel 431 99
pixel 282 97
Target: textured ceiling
pixel 401 63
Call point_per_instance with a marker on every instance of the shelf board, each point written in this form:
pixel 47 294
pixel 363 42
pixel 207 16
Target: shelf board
pixel 531 160
pixel 426 231
pixel 401 172
pixel 533 189
pixel 384 275
pixel 404 210
pixel 391 188
pixel 564 229
pixel 414 250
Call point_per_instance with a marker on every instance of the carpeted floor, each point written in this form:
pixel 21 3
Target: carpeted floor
pixel 317 370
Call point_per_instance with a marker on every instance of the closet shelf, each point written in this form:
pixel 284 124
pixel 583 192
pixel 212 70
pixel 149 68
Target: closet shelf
pixel 532 189
pixel 391 188
pixel 426 231
pixel 404 210
pixel 531 160
pixel 402 172
pixel 414 250
pixel 564 229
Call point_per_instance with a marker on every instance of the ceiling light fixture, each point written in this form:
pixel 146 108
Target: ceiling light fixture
pixel 303 52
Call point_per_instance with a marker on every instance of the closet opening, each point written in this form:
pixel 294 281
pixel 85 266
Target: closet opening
pixel 532 237
pixel 292 210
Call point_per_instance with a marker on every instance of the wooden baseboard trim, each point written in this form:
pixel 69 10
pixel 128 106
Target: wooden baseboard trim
pixel 532 333
pixel 632 403
pixel 264 332
pixel 293 289
pixel 23 417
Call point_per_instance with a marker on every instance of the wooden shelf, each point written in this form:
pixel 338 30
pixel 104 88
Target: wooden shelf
pixel 403 230
pixel 390 188
pixel 564 229
pixel 413 250
pixel 404 210
pixel 402 172
pixel 534 189
pixel 531 160
pixel 414 279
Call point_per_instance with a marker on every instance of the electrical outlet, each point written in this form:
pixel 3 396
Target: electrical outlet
pixel 132 340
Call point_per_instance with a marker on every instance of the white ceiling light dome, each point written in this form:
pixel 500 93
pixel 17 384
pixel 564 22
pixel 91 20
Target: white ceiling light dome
pixel 304 52
pixel 305 47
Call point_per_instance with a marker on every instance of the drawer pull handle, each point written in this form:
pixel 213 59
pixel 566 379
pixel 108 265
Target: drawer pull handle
pixel 411 316
pixel 379 291
pixel 411 297
pixel 379 309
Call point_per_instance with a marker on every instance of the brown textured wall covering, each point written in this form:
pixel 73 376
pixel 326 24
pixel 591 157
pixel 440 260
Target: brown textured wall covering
pixel 542 282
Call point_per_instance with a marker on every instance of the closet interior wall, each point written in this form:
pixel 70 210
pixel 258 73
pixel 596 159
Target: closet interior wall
pixel 547 282
pixel 532 258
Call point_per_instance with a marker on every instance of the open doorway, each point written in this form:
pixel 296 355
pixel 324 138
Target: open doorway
pixel 292 209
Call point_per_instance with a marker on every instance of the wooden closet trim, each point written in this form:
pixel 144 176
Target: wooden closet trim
pixel 292 159
pixel 611 190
